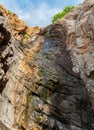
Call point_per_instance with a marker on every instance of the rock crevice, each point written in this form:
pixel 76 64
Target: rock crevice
pixel 47 75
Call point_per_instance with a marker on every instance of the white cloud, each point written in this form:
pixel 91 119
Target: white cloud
pixel 41 15
pixel 68 2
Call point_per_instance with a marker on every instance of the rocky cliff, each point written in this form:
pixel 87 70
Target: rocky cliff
pixel 47 75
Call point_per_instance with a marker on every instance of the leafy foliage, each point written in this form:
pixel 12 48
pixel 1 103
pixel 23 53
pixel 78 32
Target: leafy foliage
pixel 61 14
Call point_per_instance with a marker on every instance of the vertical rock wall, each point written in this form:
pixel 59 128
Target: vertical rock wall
pixel 47 83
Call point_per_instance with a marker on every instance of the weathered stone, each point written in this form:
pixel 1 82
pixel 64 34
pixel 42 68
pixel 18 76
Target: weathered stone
pixel 2 126
pixel 48 83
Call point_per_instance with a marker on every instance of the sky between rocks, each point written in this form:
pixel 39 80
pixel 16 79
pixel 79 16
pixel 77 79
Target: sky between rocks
pixel 37 12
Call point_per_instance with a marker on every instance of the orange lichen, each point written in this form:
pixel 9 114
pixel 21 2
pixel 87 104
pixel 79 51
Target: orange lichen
pixel 19 28
pixel 21 92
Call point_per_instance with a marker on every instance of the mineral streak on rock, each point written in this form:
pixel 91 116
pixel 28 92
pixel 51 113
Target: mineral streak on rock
pixel 47 74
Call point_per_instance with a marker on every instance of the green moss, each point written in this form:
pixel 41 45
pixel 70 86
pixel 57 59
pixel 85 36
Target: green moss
pixel 9 12
pixel 40 90
pixel 43 93
pixel 40 73
pixel 26 37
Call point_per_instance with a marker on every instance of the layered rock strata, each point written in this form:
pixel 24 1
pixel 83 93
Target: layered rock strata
pixel 47 82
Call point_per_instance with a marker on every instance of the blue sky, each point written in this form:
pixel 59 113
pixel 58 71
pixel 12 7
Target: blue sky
pixel 37 12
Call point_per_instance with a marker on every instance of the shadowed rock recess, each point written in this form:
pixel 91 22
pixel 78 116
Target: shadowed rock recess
pixel 47 75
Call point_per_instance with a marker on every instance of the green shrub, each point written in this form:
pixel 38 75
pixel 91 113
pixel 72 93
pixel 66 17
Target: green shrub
pixel 61 14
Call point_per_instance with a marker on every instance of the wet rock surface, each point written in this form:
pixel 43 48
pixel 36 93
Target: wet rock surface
pixel 48 82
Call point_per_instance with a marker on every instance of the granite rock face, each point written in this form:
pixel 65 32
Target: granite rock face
pixel 47 82
pixel 2 126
